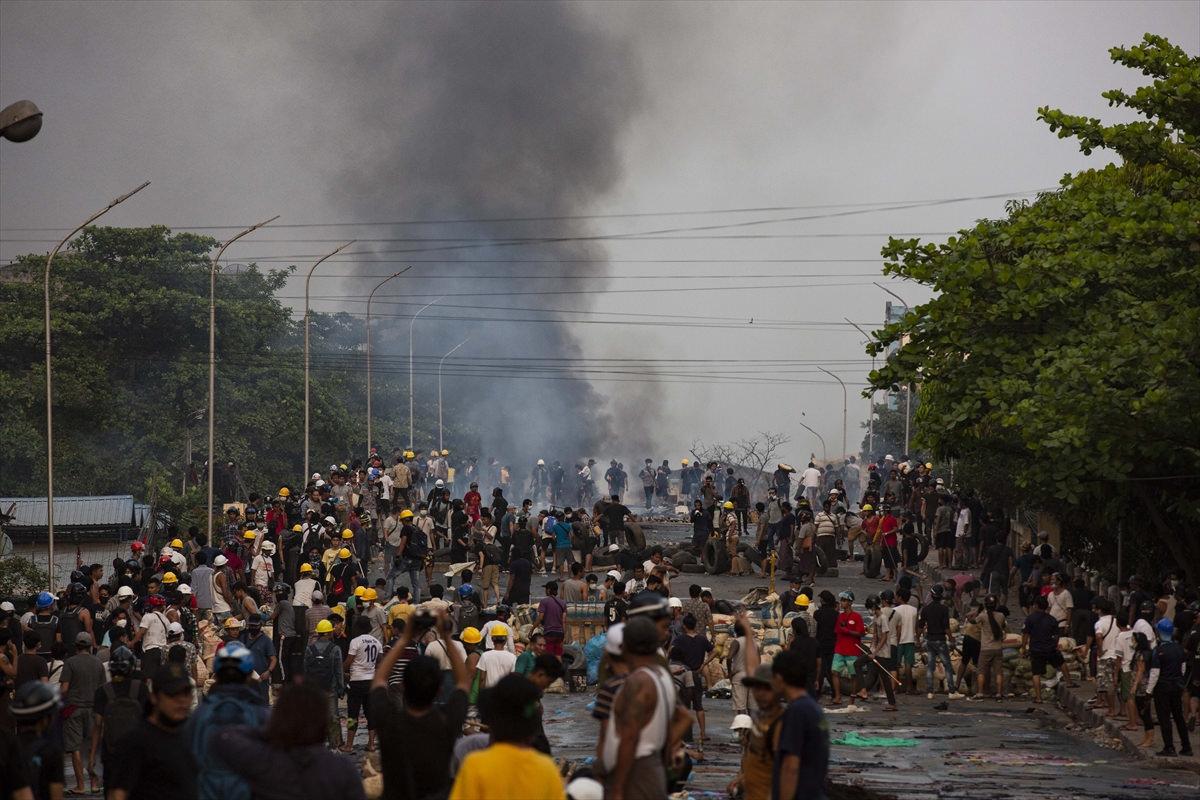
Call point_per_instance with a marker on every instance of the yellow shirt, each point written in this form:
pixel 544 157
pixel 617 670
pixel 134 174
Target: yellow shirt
pixel 508 772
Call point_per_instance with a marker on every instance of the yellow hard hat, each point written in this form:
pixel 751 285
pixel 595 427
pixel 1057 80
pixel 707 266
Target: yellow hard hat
pixel 802 600
pixel 344 552
pixel 324 626
pixel 343 467
pixel 233 622
pixel 499 630
pixel 409 454
pixel 471 636
pixel 433 452
pixel 445 452
pixel 297 527
pixel 868 507
pixel 249 534
pixel 347 533
pixel 684 461
pixel 359 591
pixel 406 514
pixel 306 567
pixel 928 465
pixel 728 504
pixel 370 594
pixel 176 543
pixel 285 492
pixel 169 577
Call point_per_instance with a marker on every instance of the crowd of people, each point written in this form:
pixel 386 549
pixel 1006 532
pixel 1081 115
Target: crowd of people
pixel 247 663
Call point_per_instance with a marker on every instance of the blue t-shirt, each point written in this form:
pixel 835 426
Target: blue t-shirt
pixel 562 535
pixel 804 733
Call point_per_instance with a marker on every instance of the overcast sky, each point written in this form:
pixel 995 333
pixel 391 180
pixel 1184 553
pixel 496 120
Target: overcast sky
pixel 240 112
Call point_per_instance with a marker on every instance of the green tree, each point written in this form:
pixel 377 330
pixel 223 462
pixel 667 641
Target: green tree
pixel 130 326
pixel 1064 341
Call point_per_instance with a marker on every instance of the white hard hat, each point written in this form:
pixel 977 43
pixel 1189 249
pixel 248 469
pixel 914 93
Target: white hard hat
pixel 7 606
pixel 614 638
pixel 614 574
pixel 316 476
pixel 614 548
pixel 330 521
pixel 541 462
pixel 741 722
pixel 220 561
pixel 319 484
pixel 439 482
pixel 125 591
pixel 184 589
pixel 585 789
pixel 888 457
pixel 174 629
pixel 675 602
pixel 268 547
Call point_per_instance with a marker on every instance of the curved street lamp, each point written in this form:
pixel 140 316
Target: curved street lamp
pixel 21 121
pixel 307 280
pixel 49 373
pixel 845 403
pixel 212 359
pixel 441 444
pixel 824 450
pixel 410 367
pixel 370 298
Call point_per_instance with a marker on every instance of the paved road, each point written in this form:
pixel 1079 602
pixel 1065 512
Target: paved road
pixel 989 749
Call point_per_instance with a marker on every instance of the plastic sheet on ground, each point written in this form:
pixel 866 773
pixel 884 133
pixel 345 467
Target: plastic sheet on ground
pixel 593 651
pixel 856 739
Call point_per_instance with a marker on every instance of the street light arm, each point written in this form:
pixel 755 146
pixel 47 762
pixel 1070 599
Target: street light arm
pixel 307 280
pixel 441 361
pixel 50 383
pixel 370 299
pixel 903 302
pixel 824 449
pixel 858 327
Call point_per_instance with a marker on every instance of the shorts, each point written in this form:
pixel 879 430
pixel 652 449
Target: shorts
pixel 1038 662
pixel 970 650
pixel 357 693
pixel 692 697
pixel 945 540
pixel 906 654
pixel 554 643
pixel 77 730
pixel 843 665
pixel 991 664
pixel 1124 684
pixel 489 578
pixel 1105 674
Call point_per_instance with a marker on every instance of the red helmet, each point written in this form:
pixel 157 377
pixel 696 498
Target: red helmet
pixel 156 600
pixel 137 547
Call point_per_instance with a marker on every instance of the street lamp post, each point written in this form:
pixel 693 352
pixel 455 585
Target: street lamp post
pixel 50 378
pixel 212 358
pixel 370 298
pixel 824 450
pixel 907 414
pixel 845 403
pixel 441 444
pixel 871 399
pixel 307 279
pixel 412 323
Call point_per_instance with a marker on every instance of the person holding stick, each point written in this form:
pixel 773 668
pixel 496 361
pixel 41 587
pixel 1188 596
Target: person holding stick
pixel 878 658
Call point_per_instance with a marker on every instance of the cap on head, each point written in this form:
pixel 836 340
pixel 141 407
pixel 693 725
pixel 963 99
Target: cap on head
pixel 614 638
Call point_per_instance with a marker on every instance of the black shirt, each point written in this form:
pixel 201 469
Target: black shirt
pixel 1043 632
pixel 520 573
pixel 42 759
pixel 615 610
pixel 691 650
pixel 826 617
pixel 614 516
pixel 935 618
pixel 806 647
pixel 1169 658
pixel 154 763
pixel 415 751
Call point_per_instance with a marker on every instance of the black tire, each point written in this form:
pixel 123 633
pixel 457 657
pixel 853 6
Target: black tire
pixel 872 564
pixel 441 554
pixel 716 557
pixel 822 561
pixel 832 572
pixel 683 558
pixel 605 560
pixel 692 569
pixel 752 555
pixel 572 656
pixel 723 607
pixel 922 549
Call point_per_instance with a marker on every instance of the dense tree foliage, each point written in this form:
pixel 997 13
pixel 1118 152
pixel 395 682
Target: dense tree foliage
pixel 130 327
pixel 1062 349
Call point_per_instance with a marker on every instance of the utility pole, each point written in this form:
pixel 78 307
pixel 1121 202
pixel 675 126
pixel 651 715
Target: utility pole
pixel 871 399
pixel 307 280
pixel 370 298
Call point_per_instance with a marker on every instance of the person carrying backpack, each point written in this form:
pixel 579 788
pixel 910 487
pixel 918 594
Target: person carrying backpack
pixel 323 669
pixel 230 702
pixel 117 708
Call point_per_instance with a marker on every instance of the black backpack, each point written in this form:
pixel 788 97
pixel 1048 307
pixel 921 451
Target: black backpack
pixel 418 544
pixel 122 715
pixel 318 664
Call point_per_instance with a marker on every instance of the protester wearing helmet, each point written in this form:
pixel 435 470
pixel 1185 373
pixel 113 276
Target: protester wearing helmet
pixel 1166 685
pixel 231 701
pixel 34 709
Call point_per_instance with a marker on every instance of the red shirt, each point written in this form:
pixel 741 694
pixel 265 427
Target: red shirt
pixel 849 631
pixel 472 500
pixel 888 527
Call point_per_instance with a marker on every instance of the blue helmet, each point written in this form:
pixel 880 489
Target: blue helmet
pixel 45 600
pixel 466 590
pixel 1166 628
pixel 234 654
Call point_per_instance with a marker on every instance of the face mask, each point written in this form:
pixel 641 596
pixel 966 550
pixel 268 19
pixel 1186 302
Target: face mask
pixel 424 513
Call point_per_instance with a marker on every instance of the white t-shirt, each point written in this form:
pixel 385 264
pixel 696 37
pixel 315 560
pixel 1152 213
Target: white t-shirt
pixel 303 589
pixel 437 651
pixel 365 652
pixel 497 664
pixel 1125 649
pixel 262 568
pixel 1107 632
pixel 904 624
pixel 811 478
pixel 510 646
pixel 155 626
pixel 964 522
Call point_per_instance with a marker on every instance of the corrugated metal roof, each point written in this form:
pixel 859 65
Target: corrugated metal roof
pixel 72 512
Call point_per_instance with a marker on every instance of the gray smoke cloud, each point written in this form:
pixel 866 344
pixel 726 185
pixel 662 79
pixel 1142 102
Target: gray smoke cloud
pixel 460 110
